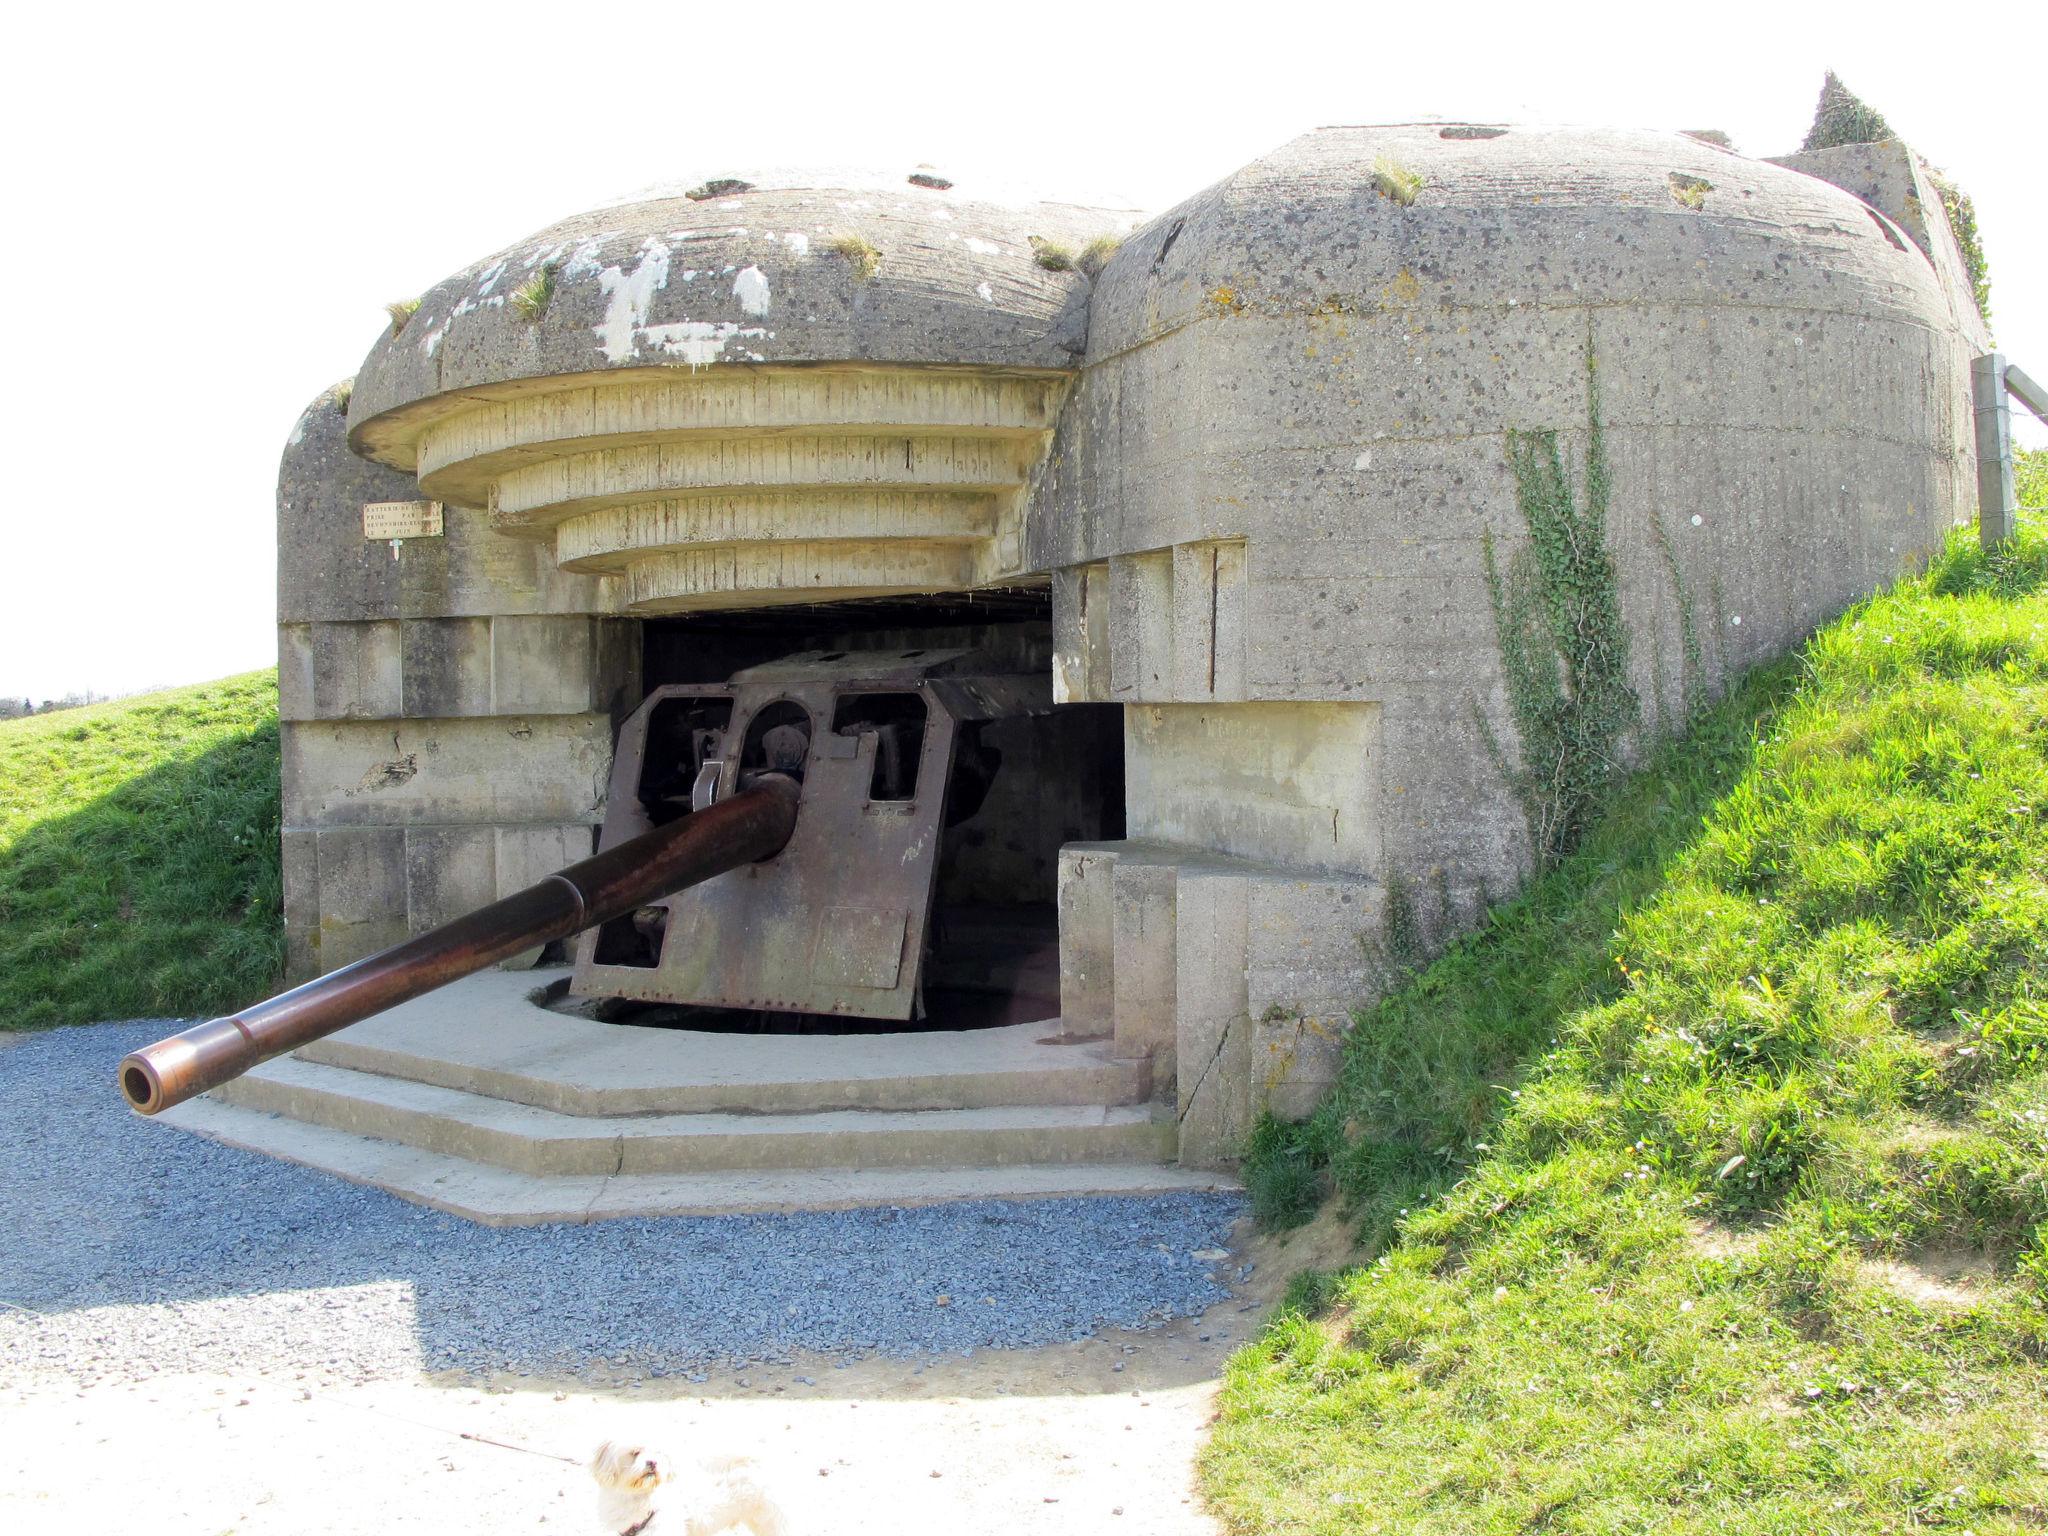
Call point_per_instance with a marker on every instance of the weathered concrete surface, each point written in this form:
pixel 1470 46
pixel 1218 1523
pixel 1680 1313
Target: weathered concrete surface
pixel 1900 185
pixel 1236 979
pixel 667 281
pixel 543 1144
pixel 487 1034
pixel 1271 493
pixel 1261 460
pixel 748 487
pixel 479 1100
pixel 500 1197
pixel 328 572
pixel 446 708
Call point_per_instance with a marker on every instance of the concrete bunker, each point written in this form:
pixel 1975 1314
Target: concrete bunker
pixel 1246 504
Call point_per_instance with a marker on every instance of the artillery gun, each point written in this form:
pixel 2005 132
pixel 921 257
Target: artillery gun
pixel 770 843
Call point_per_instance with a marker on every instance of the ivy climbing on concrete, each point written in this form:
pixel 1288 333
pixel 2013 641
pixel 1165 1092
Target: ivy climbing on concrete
pixel 1564 650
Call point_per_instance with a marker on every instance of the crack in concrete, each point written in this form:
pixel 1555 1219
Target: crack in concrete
pixel 1222 1039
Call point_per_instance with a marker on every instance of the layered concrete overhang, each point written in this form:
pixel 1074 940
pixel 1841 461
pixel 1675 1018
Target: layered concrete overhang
pixel 762 395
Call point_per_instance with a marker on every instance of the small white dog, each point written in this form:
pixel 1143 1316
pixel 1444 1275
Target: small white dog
pixel 640 1492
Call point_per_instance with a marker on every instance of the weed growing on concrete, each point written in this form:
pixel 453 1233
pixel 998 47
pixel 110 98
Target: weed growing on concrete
pixel 1842 118
pixel 860 254
pixel 1402 945
pixel 1051 255
pixel 1962 221
pixel 1564 649
pixel 1713 136
pixel 1394 181
pixel 532 297
pixel 930 182
pixel 722 186
pixel 1688 623
pixel 401 311
pixel 1096 253
pixel 1689 191
pixel 343 393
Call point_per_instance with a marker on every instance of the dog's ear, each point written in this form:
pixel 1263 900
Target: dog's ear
pixel 602 1458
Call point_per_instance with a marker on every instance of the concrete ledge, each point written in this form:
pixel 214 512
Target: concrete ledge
pixel 484 1035
pixel 538 1141
pixel 499 1198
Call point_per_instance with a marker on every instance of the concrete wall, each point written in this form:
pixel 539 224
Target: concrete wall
pixel 446 708
pixel 1269 498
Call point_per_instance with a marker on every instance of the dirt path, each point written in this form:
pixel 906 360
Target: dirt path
pixel 1099 1435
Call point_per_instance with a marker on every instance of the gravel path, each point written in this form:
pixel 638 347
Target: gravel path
pixel 128 1248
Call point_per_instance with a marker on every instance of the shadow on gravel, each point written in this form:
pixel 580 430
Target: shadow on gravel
pixel 102 1209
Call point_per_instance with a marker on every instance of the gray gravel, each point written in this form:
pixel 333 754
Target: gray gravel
pixel 128 1247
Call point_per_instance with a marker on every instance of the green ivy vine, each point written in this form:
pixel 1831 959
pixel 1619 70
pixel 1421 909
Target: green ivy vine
pixel 1564 650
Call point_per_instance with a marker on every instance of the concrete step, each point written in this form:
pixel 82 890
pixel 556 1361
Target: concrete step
pixel 529 1140
pixel 485 1035
pixel 499 1197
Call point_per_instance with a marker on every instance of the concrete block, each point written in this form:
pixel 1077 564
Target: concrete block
pixel 1087 949
pixel 1209 620
pixel 361 874
pixel 449 872
pixel 528 855
pixel 475 570
pixel 543 665
pixel 1141 626
pixel 1080 621
pixel 1313 954
pixel 447 668
pixel 301 872
pixel 337 671
pixel 1142 934
pixel 1212 1025
pixel 295 671
pixel 1281 783
pixel 616 685
pixel 397 773
pixel 326 570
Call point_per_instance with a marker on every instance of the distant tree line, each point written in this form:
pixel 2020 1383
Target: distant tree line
pixel 14 709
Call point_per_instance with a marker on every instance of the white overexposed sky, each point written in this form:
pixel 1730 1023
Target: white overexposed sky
pixel 212 204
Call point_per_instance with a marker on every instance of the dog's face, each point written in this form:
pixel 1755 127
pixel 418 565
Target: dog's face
pixel 629 1468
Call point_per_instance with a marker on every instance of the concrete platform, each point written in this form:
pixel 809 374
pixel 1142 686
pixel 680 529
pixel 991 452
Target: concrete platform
pixel 486 1035
pixel 516 1136
pixel 481 1102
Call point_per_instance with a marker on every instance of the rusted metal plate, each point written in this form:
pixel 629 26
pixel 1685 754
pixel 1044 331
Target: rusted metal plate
pixel 837 922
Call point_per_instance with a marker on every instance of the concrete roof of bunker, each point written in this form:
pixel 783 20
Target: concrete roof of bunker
pixel 760 267
pixel 1456 215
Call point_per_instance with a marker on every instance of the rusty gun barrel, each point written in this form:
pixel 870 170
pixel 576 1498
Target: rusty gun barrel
pixel 744 828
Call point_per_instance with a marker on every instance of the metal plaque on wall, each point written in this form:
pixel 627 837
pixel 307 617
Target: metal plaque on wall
pixel 401 520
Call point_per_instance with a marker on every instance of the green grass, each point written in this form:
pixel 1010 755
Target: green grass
pixel 1629 1166
pixel 139 856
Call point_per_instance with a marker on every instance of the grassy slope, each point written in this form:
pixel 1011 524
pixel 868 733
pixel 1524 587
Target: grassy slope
pixel 139 856
pixel 1628 1165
